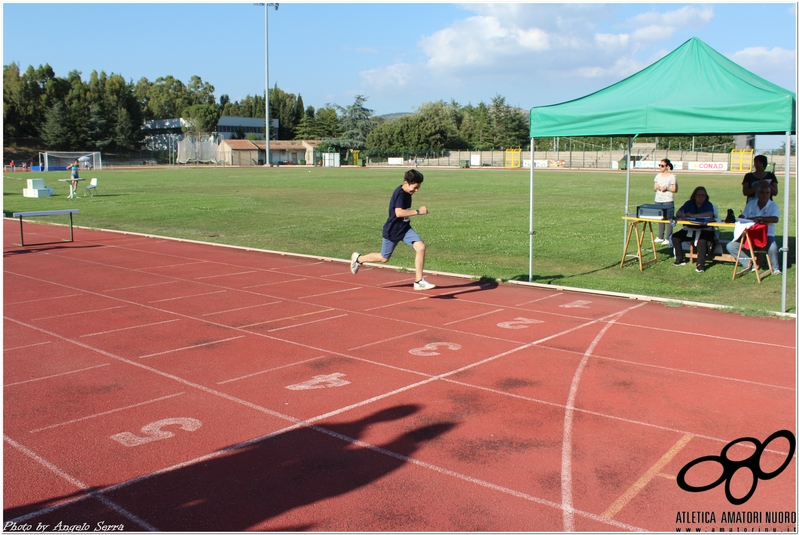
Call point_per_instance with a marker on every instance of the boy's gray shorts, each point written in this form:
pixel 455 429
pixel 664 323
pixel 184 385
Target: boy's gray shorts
pixel 388 246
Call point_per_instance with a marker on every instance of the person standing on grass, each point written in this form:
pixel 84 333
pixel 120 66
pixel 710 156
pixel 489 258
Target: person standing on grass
pixel 398 228
pixel 752 180
pixel 665 188
pixel 73 169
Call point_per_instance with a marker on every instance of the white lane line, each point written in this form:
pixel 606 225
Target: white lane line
pixel 396 303
pixel 225 275
pixel 37 300
pixel 272 283
pixel 89 493
pixel 55 375
pixel 240 308
pixel 187 296
pixel 306 323
pixel 191 347
pixel 714 336
pixel 89 417
pixel 386 340
pixel 128 328
pixel 144 269
pixel 141 286
pixel 566 453
pixel 80 312
pixel 676 370
pixel 539 299
pixel 25 346
pixel 329 293
pixel 269 370
pixel 475 317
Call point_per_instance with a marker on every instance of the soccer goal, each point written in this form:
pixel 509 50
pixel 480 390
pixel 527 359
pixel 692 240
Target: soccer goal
pixel 58 161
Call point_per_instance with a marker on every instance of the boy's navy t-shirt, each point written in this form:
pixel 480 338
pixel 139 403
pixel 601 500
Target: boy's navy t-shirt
pixel 396 227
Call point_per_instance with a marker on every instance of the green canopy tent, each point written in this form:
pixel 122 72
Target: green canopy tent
pixel 694 90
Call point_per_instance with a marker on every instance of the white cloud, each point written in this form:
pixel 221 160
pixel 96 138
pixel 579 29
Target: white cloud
pixel 776 64
pixel 480 40
pixel 397 75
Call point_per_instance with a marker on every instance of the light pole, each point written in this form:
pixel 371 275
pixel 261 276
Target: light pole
pixel 266 71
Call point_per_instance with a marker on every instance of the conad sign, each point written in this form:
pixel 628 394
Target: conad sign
pixel 707 166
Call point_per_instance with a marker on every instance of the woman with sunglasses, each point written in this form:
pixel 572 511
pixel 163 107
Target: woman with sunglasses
pixel 665 188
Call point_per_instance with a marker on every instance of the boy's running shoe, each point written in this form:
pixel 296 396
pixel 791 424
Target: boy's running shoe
pixel 354 265
pixel 423 285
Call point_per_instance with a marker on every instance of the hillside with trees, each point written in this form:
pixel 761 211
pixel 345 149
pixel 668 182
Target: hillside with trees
pixel 106 113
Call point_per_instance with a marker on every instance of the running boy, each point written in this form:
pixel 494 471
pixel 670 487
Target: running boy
pixel 398 228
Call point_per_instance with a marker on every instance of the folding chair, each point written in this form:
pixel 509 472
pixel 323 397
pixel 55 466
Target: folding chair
pixel 755 239
pixel 91 188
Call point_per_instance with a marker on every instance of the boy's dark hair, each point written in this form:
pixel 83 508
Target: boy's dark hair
pixel 761 158
pixel 412 176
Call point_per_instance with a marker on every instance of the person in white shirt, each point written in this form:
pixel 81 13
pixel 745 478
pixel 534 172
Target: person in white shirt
pixel 760 210
pixel 665 188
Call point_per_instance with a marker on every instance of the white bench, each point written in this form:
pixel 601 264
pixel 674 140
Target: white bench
pixel 20 215
pixel 36 188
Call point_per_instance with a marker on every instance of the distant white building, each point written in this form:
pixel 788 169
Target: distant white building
pixel 163 134
pixel 228 126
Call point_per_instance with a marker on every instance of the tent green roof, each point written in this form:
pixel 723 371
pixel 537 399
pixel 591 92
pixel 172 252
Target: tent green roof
pixel 692 91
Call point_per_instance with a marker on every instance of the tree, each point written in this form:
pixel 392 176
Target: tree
pixel 200 92
pixel 55 131
pixel 125 134
pixel 356 122
pixel 201 120
pixel 97 127
pixel 327 124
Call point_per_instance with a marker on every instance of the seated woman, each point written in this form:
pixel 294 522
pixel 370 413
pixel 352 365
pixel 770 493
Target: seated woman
pixel 698 205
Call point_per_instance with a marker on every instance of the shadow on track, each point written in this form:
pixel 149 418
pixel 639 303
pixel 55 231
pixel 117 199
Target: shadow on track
pixel 250 484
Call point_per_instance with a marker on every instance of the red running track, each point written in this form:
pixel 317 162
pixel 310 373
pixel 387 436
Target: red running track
pixel 176 386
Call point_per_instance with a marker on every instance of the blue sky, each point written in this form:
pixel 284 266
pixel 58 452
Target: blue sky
pixel 397 55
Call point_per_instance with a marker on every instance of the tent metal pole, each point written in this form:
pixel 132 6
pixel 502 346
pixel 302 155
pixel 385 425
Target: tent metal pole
pixel 530 231
pixel 785 215
pixel 626 195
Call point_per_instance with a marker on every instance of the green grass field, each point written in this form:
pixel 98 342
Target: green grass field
pixel 478 222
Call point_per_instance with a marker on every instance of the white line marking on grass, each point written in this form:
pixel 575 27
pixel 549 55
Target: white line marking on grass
pixel 142 286
pixel 128 328
pixel 191 347
pixel 55 375
pixel 225 275
pixel 187 296
pixel 270 370
pixel 566 454
pixel 475 317
pixel 330 293
pixel 25 346
pixel 307 323
pixel 38 300
pixel 89 417
pixel 80 312
pixel 386 340
pixel 98 495
pixel 240 308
